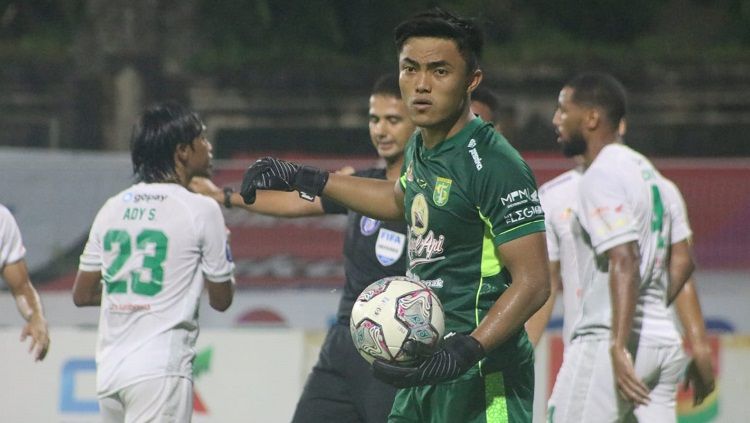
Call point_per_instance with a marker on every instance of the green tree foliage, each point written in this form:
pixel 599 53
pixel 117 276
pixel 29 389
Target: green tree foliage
pixel 602 20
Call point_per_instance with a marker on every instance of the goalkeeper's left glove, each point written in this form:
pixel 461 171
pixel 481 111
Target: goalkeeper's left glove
pixel 274 174
pixel 458 354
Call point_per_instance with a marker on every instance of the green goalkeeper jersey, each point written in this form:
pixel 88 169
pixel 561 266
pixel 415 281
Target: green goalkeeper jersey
pixel 462 199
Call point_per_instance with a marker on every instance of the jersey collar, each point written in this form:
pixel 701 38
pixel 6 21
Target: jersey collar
pixel 449 143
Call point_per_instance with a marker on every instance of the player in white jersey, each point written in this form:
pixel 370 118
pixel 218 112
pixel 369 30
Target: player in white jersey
pixel 149 251
pixel 14 272
pixel 622 234
pixel 558 198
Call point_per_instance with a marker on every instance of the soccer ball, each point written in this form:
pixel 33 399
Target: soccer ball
pixel 391 311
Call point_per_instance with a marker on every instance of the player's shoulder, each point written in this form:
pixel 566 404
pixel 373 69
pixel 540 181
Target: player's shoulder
pixel 4 211
pixel 561 184
pixel 158 194
pixel 196 202
pixel 486 147
pixel 612 162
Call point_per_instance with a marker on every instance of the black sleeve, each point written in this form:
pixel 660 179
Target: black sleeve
pixel 332 207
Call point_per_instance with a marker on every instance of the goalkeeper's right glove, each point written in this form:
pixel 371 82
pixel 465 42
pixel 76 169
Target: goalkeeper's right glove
pixel 457 355
pixel 280 175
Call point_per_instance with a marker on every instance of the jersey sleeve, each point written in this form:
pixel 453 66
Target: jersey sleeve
pixel 216 254
pixel 506 196
pixel 332 207
pixel 11 243
pixel 91 258
pixel 677 212
pixel 605 212
pixel 553 243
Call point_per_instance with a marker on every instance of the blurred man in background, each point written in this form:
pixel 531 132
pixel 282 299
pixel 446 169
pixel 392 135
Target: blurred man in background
pixel 149 251
pixel 341 386
pixel 484 103
pixel 16 276
pixel 474 219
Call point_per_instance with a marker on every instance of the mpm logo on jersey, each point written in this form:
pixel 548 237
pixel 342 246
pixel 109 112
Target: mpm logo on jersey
pixel 520 196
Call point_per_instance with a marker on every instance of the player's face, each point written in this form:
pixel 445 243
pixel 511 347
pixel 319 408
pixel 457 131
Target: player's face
pixel 568 122
pixel 199 162
pixel 390 126
pixel 434 80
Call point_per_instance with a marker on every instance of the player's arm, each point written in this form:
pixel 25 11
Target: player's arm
pixel 681 266
pixel 29 305
pixel 376 198
pixel 216 264
pixel 87 289
pixel 271 203
pixel 624 281
pixel 220 295
pixel 536 325
pixel 372 197
pixel 526 259
pixel 700 371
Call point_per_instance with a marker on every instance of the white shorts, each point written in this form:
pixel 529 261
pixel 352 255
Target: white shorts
pixel 585 389
pixel 165 400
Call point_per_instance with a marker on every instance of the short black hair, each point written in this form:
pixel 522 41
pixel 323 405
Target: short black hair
pixel 387 85
pixel 439 23
pixel 597 89
pixel 486 96
pixel 156 135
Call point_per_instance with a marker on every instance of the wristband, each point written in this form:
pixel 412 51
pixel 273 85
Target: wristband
pixel 228 191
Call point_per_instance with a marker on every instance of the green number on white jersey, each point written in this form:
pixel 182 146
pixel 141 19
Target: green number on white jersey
pixel 152 262
pixel 657 221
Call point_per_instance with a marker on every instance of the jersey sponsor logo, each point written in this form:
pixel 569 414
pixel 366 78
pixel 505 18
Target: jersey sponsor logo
pixel 410 172
pixel 520 196
pixel 442 191
pixel 128 308
pixel 424 245
pixel 138 197
pixel 389 247
pixel 368 226
pixel 425 249
pixel 420 216
pixel 474 155
pixel 432 283
pixel 523 214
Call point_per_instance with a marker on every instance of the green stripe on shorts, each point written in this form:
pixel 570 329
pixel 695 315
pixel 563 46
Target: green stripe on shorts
pixel 494 391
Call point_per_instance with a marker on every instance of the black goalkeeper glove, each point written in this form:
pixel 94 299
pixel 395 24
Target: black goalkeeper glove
pixel 280 175
pixel 458 354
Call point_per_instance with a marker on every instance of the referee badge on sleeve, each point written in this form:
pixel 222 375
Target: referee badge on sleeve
pixel 389 247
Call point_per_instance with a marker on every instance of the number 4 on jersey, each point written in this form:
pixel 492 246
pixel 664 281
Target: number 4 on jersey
pixel 657 221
